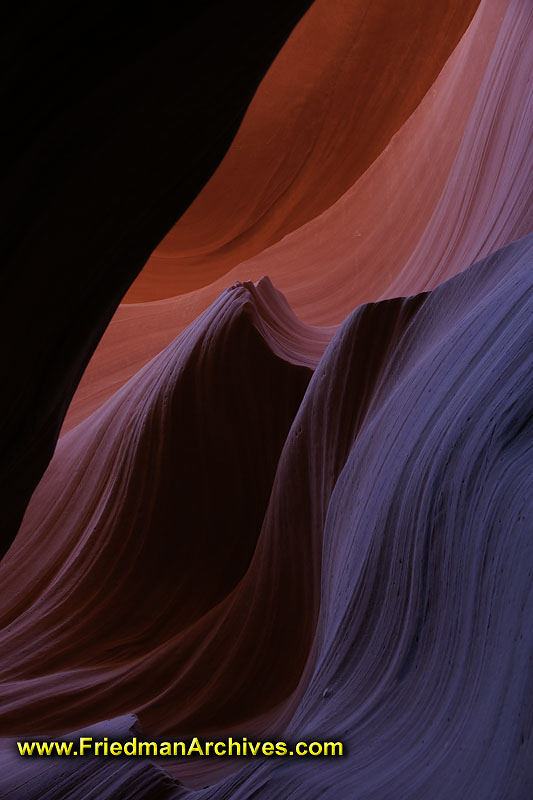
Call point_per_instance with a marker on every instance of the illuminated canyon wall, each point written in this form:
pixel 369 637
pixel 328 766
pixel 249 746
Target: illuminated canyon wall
pixel 266 466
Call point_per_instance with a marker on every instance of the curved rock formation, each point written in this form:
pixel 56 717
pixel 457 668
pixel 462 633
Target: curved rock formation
pixel 292 507
pixel 170 478
pixel 398 520
pixel 91 184
pixel 326 109
pixel 452 186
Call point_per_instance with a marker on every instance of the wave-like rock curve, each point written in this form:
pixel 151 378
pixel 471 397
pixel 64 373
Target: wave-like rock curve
pixel 393 567
pixel 451 187
pixel 151 507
